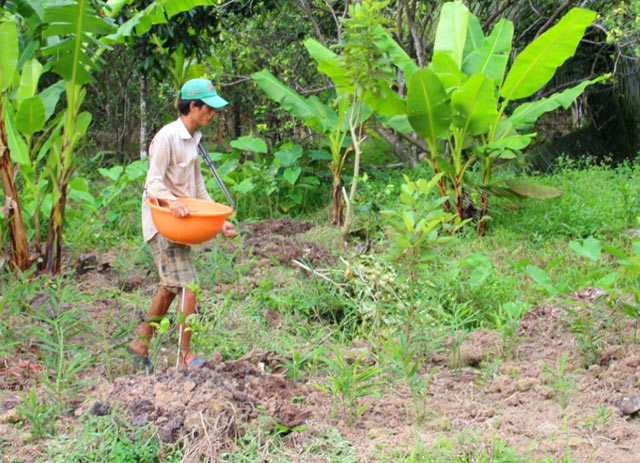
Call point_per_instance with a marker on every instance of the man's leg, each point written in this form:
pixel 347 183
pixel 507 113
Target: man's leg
pixel 187 309
pixel 159 308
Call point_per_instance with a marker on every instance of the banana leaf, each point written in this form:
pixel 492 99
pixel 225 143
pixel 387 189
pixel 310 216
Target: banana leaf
pixel 395 52
pixel 427 105
pixel 474 40
pixel 30 117
pixel 8 53
pixel 492 56
pixel 312 111
pixel 451 32
pixel 537 63
pixel 69 28
pixel 526 114
pixel 532 190
pixel 447 71
pixel 158 12
pixel 29 78
pixel 329 64
pixel 476 105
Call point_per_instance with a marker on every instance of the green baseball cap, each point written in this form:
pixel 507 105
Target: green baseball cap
pixel 202 89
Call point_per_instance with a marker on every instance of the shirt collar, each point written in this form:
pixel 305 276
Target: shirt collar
pixel 184 133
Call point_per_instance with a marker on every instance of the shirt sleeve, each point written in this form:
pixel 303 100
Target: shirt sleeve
pixel 201 189
pixel 159 156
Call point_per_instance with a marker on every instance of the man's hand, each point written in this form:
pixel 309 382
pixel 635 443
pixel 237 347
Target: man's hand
pixel 228 230
pixel 178 208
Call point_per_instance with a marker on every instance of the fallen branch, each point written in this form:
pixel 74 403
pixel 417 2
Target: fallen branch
pixel 316 273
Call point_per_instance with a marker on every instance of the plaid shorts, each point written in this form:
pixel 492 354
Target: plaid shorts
pixel 174 262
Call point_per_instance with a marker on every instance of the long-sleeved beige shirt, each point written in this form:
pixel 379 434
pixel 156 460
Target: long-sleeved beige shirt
pixel 174 170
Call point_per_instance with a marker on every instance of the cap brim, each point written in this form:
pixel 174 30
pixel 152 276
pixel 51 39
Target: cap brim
pixel 215 101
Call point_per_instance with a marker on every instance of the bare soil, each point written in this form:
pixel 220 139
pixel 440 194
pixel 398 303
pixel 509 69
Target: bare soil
pixel 522 403
pixel 206 408
pixel 275 240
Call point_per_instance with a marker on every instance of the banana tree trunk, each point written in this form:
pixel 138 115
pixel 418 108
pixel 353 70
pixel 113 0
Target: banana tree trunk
pixel 53 256
pixel 484 207
pixel 20 259
pixel 337 203
pixel 459 205
pixel 484 198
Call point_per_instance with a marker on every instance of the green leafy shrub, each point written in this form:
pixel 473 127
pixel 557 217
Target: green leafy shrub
pixel 267 185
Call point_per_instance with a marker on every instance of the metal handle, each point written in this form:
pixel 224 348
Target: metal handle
pixel 209 163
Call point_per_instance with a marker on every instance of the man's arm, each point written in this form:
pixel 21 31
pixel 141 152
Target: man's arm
pixel 159 155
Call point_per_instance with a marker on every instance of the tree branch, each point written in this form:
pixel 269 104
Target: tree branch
pixel 553 17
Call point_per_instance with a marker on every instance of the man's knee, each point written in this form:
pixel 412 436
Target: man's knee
pixel 166 294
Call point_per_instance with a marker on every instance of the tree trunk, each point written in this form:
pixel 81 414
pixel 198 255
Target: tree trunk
pixel 19 253
pixel 53 256
pixel 402 152
pixel 484 197
pixel 337 203
pixel 484 207
pixel 220 126
pixel 237 120
pixel 143 117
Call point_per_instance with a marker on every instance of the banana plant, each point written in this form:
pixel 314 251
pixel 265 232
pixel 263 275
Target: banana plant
pixel 459 103
pixel 362 72
pixel 76 22
pixel 183 68
pixel 65 30
pixel 361 79
pixel 322 118
pixel 62 38
pixel 31 131
pixel 9 55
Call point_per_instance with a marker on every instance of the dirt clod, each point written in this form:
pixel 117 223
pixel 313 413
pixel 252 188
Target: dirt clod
pixel 209 401
pixel 133 282
pixel 629 405
pixel 86 263
pixel 99 409
pixel 283 250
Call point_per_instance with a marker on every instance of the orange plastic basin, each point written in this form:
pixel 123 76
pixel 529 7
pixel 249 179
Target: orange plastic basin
pixel 205 219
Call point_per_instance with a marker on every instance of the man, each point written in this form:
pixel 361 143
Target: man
pixel 174 170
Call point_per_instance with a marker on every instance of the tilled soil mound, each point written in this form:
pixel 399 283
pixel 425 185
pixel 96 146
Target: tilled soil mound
pixel 284 250
pixel 278 227
pixel 205 408
pixel 272 240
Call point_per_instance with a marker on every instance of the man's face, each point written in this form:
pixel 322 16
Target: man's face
pixel 203 115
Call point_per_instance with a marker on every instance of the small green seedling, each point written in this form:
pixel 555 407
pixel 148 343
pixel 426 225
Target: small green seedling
pixel 563 384
pixel 349 383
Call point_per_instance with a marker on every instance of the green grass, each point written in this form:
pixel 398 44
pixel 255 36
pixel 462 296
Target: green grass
pixel 597 201
pixel 325 445
pixel 111 439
